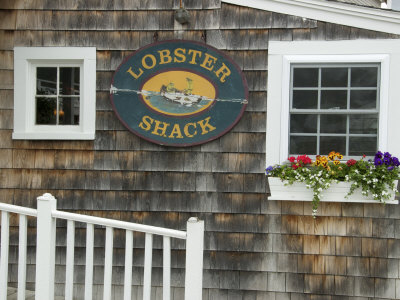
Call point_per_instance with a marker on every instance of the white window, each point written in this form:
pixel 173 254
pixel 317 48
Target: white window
pixel 54 93
pixel 332 95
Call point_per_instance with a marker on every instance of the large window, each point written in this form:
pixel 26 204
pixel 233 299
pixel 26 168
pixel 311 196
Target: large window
pixel 334 107
pixel 332 95
pixel 54 93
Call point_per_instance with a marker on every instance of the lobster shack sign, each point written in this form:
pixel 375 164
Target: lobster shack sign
pixel 179 93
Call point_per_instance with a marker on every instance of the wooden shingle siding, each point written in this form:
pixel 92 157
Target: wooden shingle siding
pixel 254 248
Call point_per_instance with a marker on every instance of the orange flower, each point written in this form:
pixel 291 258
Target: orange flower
pixel 332 155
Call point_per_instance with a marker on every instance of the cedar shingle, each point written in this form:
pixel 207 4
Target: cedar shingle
pixel 256 80
pixel 254 163
pixel 363 286
pixel 204 19
pixel 211 4
pixel 348 246
pixel 8 19
pixel 251 122
pixel 7 39
pixel 6 118
pixel 6 99
pixel 254 183
pixel 251 142
pixel 103 80
pixel 257 101
pixel 337 32
pixel 301 34
pixel 236 162
pixel 23 159
pixel 255 60
pixel 50 38
pixel 321 284
pixel 280 35
pixel 6 79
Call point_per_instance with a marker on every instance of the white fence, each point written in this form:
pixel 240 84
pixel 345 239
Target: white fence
pixel 47 214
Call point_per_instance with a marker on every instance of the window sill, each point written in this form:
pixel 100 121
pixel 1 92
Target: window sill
pixel 53 136
pixel 336 193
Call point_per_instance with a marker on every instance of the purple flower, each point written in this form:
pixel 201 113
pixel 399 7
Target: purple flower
pixel 390 168
pixel 387 160
pixel 387 155
pixel 379 154
pixel 395 161
pixel 378 161
pixel 268 170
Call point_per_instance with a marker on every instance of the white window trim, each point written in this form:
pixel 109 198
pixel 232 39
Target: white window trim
pixel 25 60
pixel 332 12
pixel 282 54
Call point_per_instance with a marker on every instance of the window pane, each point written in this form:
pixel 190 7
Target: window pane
pixel 334 99
pixel 69 111
pixel 364 123
pixel 46 81
pixel 303 145
pixel 305 77
pixel 46 111
pixel 300 123
pixel 333 123
pixel 334 77
pixel 69 81
pixel 305 99
pixel 363 99
pixel 364 76
pixel 362 145
pixel 332 143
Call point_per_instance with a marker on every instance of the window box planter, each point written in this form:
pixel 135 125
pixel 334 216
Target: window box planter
pixel 336 193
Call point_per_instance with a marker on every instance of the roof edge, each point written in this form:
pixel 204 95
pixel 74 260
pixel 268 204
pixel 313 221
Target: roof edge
pixel 332 12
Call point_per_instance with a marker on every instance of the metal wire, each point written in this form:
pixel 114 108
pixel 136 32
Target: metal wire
pixel 116 91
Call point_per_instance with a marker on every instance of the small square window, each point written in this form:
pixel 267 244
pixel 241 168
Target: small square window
pixel 54 91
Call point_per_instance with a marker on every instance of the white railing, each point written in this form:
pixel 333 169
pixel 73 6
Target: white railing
pixel 47 214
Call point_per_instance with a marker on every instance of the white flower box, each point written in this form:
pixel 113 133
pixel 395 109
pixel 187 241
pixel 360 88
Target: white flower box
pixel 336 193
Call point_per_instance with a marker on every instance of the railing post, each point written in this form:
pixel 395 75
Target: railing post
pixel 45 247
pixel 194 259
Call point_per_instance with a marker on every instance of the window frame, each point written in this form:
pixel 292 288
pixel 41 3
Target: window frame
pixel 281 55
pixel 26 60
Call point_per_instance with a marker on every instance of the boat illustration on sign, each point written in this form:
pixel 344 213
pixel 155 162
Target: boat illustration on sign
pixel 177 93
pixel 183 97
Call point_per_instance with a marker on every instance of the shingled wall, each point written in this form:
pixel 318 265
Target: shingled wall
pixel 254 248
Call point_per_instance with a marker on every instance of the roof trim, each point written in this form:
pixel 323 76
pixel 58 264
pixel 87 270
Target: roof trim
pixel 333 12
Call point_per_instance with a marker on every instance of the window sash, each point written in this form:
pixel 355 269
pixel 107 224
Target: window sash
pixel 333 111
pixel 57 95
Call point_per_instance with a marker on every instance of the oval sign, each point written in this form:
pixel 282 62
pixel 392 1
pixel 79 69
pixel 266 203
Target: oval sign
pixel 178 93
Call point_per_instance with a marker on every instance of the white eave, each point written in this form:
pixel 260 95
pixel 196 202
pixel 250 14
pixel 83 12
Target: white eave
pixel 332 12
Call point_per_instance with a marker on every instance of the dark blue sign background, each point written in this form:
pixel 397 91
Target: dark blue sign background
pixel 225 112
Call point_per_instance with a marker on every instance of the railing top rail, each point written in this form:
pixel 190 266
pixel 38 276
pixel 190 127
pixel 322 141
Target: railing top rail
pixel 119 224
pixel 18 209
